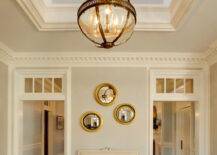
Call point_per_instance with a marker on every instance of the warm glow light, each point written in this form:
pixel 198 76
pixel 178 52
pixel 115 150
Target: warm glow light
pixel 108 10
pixel 116 21
pixel 109 24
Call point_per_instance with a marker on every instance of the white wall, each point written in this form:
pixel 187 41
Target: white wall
pixel 3 108
pixel 132 88
pixel 213 110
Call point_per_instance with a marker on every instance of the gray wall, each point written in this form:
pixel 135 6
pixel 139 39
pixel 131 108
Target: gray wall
pixel 213 110
pixel 132 88
pixel 3 108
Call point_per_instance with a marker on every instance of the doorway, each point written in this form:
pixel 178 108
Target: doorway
pixel 174 128
pixel 43 128
pixel 185 129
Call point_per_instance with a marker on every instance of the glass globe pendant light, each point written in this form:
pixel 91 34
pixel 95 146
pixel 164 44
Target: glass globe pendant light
pixel 107 23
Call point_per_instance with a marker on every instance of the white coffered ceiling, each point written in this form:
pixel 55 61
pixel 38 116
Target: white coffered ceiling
pixel 152 15
pixel 196 31
pixel 147 2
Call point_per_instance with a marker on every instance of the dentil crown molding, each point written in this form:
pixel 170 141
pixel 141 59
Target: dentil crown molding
pixel 211 54
pixel 56 17
pixel 5 54
pixel 24 59
pixel 107 58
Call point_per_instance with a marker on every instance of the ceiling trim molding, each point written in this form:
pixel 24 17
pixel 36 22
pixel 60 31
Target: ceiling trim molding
pixel 5 54
pixel 179 12
pixel 11 57
pixel 45 59
pixel 64 17
pixel 34 15
pixel 211 54
pixel 108 58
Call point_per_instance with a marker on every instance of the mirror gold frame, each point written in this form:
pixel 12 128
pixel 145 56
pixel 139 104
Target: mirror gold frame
pixel 89 113
pixel 96 94
pixel 116 110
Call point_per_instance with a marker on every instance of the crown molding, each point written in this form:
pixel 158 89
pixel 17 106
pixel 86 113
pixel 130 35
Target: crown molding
pixel 211 54
pixel 142 59
pixel 178 11
pixel 150 59
pixel 5 54
pixel 108 58
pixel 50 17
pixel 36 17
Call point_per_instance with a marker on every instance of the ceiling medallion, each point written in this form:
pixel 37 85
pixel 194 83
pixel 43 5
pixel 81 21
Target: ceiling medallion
pixel 107 23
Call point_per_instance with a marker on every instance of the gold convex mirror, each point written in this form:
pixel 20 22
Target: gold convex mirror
pixel 91 121
pixel 105 94
pixel 124 113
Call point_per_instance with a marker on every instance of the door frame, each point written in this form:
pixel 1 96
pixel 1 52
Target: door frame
pixel 16 96
pixel 19 96
pixel 201 97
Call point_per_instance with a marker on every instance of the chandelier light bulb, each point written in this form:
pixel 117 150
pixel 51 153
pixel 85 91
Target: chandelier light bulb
pixel 108 10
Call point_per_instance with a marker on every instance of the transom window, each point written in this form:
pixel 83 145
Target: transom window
pixel 43 85
pixel 175 85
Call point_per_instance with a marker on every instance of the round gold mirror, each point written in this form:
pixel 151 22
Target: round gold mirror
pixel 124 113
pixel 105 94
pixel 91 121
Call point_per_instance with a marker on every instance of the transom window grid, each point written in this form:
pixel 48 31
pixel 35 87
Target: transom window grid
pixel 170 85
pixel 43 85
